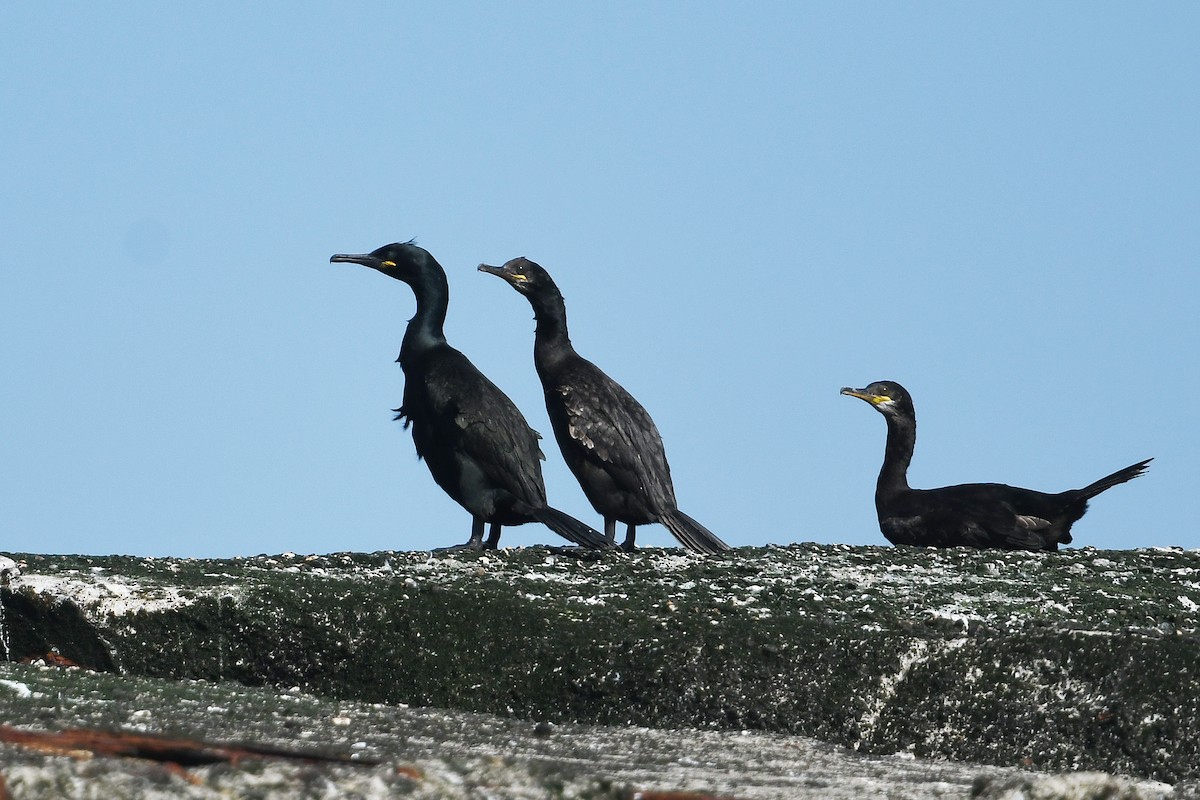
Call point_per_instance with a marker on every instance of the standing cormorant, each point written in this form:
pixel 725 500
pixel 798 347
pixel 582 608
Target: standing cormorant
pixel 607 438
pixel 971 514
pixel 478 447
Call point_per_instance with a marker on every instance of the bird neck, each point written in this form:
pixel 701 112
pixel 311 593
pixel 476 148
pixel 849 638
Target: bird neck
pixel 897 455
pixel 425 329
pixel 551 340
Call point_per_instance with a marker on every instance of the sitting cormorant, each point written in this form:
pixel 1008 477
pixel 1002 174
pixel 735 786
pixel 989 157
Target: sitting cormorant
pixel 972 514
pixel 479 448
pixel 607 438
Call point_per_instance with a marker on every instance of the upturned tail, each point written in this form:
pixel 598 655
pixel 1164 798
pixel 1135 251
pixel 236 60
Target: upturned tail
pixel 571 529
pixel 692 534
pixel 1118 477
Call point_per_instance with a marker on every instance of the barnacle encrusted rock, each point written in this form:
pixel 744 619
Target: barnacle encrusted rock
pixel 1076 660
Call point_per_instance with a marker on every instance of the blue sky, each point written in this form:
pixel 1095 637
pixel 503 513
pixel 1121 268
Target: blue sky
pixel 746 207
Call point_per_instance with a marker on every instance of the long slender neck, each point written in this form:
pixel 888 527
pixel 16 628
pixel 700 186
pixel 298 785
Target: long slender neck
pixel 897 455
pixel 551 341
pixel 424 330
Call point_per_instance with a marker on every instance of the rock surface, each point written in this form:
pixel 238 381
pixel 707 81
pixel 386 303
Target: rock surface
pixel 310 747
pixel 1082 660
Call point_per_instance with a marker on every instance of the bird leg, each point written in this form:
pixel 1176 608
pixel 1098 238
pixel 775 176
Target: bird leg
pixel 630 532
pixel 610 529
pixel 493 540
pixel 474 543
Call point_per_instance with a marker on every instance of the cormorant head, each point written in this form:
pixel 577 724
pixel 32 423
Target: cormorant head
pixel 404 261
pixel 523 275
pixel 887 397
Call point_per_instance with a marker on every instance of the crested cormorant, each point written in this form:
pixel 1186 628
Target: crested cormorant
pixel 478 447
pixel 972 514
pixel 607 438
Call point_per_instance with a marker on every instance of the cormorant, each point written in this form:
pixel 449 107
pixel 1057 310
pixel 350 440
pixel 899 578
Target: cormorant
pixel 972 514
pixel 607 438
pixel 478 447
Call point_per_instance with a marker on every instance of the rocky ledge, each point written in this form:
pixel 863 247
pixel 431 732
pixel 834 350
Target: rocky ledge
pixel 1081 660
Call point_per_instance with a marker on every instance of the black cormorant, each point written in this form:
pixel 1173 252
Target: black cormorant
pixel 479 448
pixel 972 514
pixel 607 438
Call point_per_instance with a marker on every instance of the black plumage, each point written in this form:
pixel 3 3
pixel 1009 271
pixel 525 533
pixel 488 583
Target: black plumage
pixel 607 438
pixel 477 445
pixel 973 514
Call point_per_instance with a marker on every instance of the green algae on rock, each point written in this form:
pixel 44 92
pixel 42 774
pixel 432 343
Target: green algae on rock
pixel 1082 659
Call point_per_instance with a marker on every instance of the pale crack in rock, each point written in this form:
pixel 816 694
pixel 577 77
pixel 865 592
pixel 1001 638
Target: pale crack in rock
pixel 110 597
pixel 18 688
pixel 9 569
pixel 922 651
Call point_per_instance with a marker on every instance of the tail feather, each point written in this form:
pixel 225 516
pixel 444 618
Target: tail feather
pixel 692 534
pixel 571 529
pixel 1118 477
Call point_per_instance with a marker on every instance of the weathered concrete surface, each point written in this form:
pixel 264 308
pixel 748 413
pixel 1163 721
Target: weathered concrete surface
pixel 1080 660
pixel 393 751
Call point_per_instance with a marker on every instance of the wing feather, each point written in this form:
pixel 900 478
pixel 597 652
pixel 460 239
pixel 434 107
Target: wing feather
pixel 489 429
pixel 616 431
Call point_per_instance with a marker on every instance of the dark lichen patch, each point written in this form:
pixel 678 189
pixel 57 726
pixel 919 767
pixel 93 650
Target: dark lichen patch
pixel 1080 659
pixel 33 628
